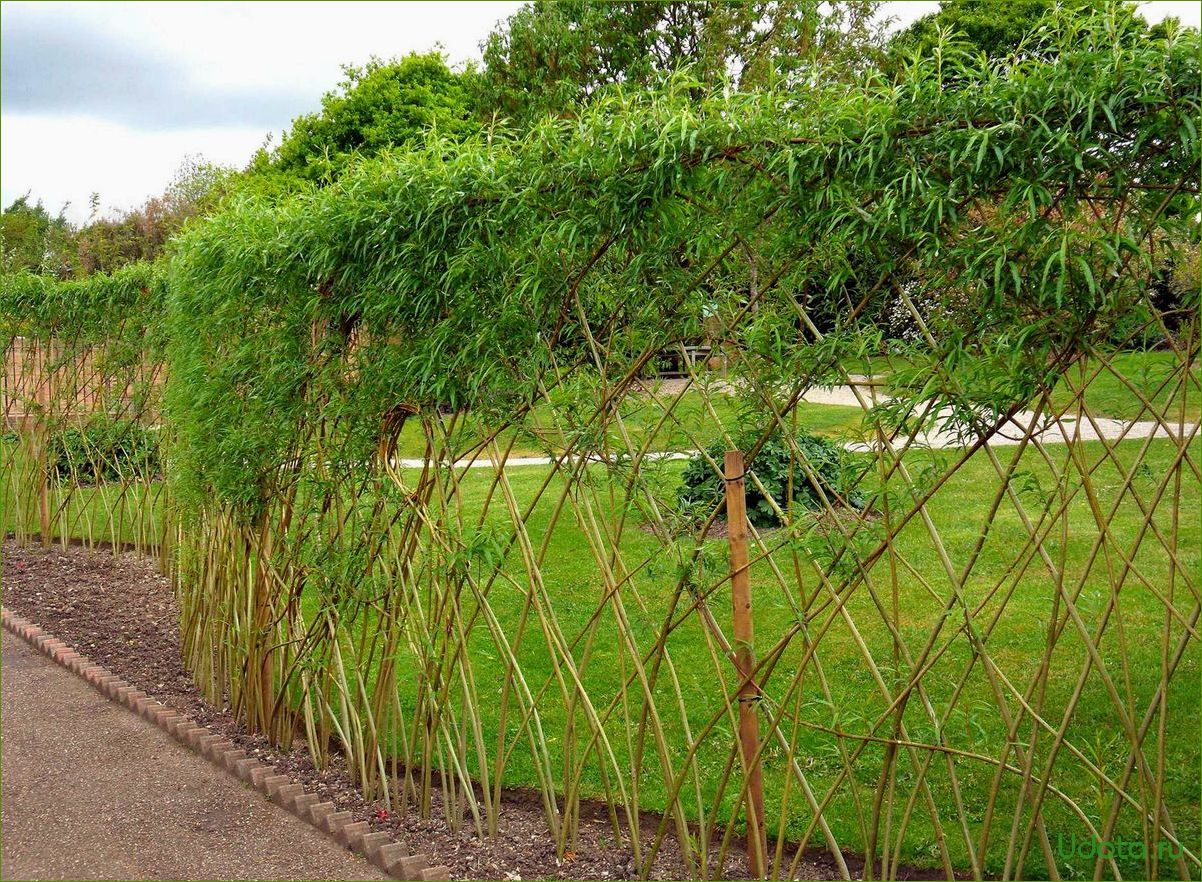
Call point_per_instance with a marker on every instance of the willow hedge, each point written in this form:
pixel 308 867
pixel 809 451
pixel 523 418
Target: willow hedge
pixel 336 359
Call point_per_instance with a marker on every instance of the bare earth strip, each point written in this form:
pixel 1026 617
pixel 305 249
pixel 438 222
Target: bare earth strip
pixel 90 791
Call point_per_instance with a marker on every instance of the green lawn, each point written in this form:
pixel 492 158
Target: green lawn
pixel 1113 392
pixel 1015 646
pixel 845 696
pixel 1115 389
pixel 104 513
pixel 691 425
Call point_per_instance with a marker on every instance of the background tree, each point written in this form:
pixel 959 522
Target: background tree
pixel 998 28
pixel 381 105
pixel 552 57
pixel 33 239
pixel 988 26
pixel 107 244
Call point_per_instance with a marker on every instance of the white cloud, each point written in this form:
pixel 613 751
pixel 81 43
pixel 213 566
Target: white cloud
pixel 240 50
pixel 233 48
pixel 1189 13
pixel 248 45
pixel 65 159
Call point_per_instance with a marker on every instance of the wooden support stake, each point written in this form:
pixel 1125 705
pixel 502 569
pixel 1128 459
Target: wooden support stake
pixel 749 693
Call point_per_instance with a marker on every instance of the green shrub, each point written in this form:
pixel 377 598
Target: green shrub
pixel 701 486
pixel 104 450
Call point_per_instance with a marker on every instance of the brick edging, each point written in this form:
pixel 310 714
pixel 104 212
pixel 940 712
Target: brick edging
pixel 378 848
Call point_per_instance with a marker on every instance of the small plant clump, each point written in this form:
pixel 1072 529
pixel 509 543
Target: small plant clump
pixel 104 450
pixel 818 469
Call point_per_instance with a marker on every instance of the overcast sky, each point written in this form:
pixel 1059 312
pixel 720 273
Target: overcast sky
pixel 112 97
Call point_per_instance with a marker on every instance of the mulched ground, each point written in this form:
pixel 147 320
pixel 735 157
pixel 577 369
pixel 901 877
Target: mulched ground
pixel 121 612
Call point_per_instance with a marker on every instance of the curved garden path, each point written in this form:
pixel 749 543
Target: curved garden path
pixel 1047 431
pixel 92 791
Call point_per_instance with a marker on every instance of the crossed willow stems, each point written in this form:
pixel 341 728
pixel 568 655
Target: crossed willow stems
pixel 365 609
pixel 422 627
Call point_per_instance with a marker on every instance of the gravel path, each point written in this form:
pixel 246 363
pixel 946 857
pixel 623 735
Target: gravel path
pixel 91 791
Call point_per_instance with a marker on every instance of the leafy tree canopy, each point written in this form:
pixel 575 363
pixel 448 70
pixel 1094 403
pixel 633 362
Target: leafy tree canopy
pixel 466 275
pixel 996 28
pixel 33 239
pixel 108 243
pixel 381 105
pixel 552 57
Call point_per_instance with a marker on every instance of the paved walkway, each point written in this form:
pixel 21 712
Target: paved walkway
pixel 1047 431
pixel 90 791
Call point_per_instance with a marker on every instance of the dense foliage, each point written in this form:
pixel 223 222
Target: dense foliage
pixel 126 306
pixel 379 106
pixel 351 367
pixel 553 57
pixel 489 260
pixel 995 29
pixel 781 483
pixel 998 30
pixel 33 240
pixel 105 449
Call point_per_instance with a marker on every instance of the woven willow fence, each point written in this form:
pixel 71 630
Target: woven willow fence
pixel 420 500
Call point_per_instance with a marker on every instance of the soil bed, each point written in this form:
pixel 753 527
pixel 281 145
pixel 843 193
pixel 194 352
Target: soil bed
pixel 121 612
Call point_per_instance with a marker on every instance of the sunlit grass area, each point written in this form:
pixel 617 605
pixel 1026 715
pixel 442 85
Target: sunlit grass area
pixel 840 689
pixel 832 702
pixel 1116 388
pixel 658 421
pixel 127 513
pixel 1120 390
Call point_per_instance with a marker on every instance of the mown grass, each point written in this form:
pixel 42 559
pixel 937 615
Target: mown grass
pixel 846 697
pixel 692 424
pixel 1116 388
pixel 850 698
pixel 127 514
